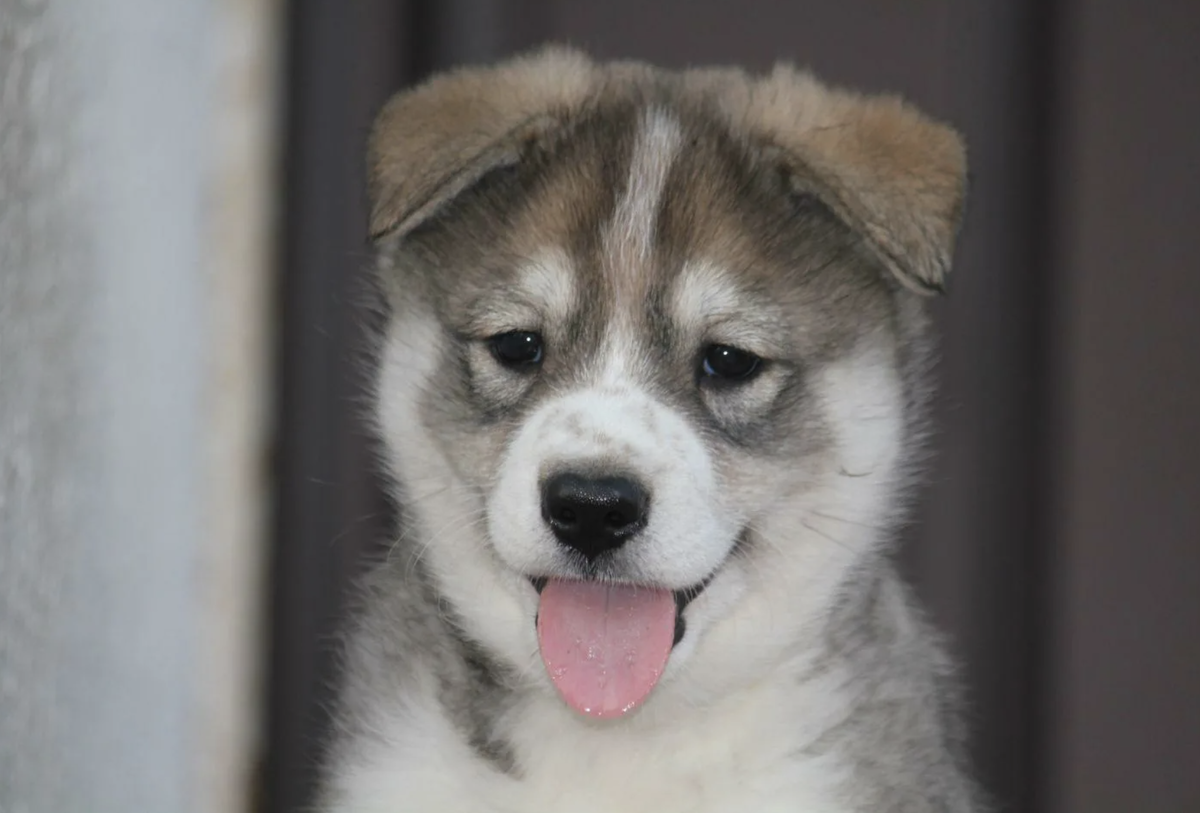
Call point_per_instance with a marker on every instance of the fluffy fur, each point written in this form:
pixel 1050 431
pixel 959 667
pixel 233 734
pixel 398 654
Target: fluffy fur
pixel 633 217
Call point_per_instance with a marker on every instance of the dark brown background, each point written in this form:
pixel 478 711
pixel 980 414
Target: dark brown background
pixel 1059 542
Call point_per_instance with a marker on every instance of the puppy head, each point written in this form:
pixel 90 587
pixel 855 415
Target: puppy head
pixel 655 329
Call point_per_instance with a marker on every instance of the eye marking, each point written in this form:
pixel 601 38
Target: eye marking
pixel 725 365
pixel 519 350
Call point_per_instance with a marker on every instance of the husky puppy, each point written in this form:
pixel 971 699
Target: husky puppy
pixel 652 393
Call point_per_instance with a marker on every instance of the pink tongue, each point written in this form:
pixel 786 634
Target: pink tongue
pixel 604 645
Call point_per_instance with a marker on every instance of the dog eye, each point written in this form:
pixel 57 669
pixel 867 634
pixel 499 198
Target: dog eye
pixel 729 364
pixel 517 349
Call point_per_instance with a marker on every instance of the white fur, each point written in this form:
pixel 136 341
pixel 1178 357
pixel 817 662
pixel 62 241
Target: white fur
pixel 708 303
pixel 631 231
pixel 550 285
pixel 690 530
pixel 735 757
pixel 498 603
pixel 542 293
pixel 716 735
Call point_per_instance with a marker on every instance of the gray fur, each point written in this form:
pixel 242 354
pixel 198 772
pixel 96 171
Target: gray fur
pixel 817 278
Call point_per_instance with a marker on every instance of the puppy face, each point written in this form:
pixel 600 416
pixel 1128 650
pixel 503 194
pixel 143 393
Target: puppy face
pixel 646 344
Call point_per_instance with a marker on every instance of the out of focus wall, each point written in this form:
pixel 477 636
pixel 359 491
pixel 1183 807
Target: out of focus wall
pixel 136 162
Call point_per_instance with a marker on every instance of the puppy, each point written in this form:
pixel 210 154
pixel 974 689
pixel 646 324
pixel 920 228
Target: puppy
pixel 652 392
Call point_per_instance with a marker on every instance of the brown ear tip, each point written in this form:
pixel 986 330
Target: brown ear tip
pixel 380 227
pixel 925 275
pixel 920 286
pixel 935 279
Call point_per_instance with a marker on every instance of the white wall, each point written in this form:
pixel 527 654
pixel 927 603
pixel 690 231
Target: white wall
pixel 136 154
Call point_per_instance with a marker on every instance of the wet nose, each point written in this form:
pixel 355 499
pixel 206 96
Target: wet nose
pixel 593 514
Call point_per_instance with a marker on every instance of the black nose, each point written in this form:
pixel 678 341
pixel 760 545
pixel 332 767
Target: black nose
pixel 593 514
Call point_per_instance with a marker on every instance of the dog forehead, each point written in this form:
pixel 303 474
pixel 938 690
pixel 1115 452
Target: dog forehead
pixel 690 223
pixel 631 196
pixel 653 219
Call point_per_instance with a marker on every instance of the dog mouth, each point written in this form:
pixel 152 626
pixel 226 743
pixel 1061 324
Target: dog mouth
pixel 606 644
pixel 682 598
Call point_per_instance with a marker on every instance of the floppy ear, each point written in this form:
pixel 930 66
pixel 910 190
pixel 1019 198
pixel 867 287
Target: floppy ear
pixel 895 176
pixel 431 143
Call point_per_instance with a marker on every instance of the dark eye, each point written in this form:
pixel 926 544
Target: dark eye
pixel 726 364
pixel 517 349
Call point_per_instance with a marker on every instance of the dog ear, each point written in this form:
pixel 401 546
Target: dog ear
pixel 895 176
pixel 433 142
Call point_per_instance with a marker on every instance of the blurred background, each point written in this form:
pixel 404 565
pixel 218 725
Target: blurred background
pixel 186 487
